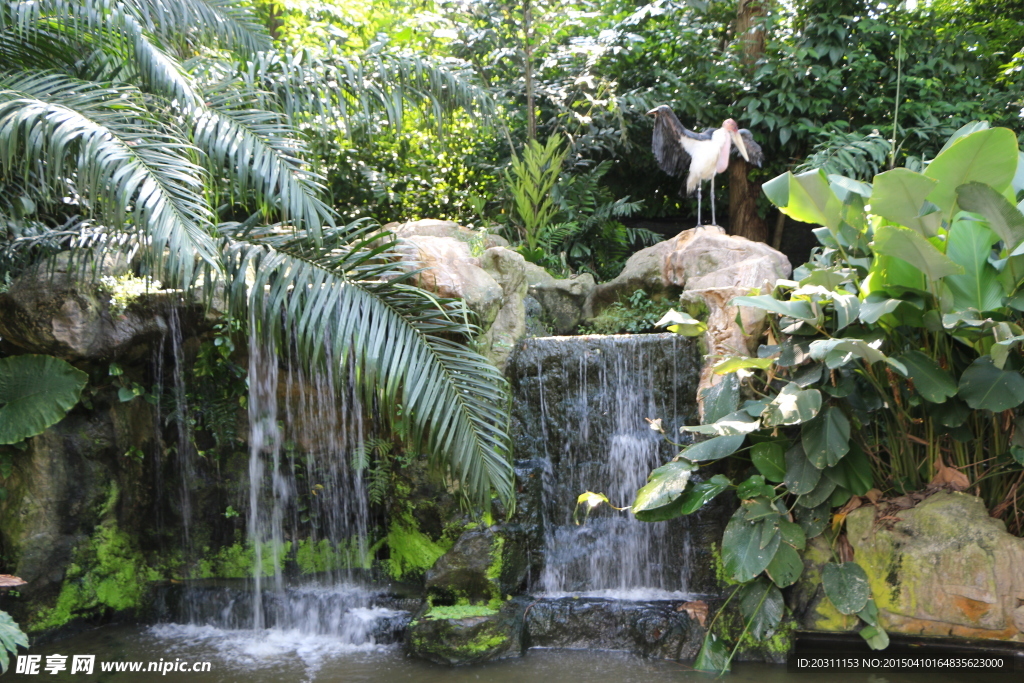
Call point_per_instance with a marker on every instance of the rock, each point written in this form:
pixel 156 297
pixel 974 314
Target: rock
pixel 643 270
pixel 943 568
pixel 448 270
pixel 508 270
pixel 484 564
pixel 468 635
pixel 695 259
pixel 562 300
pixel 707 258
pixel 435 228
pixel 60 309
pixel 653 629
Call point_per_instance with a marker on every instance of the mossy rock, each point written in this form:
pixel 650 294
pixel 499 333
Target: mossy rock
pixel 485 564
pixel 469 634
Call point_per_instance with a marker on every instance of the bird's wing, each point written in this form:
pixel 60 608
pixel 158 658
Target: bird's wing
pixel 669 141
pixel 753 149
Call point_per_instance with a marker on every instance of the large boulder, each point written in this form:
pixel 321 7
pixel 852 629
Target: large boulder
pixel 507 268
pixel 492 285
pixel 447 269
pixel 63 309
pixel 695 259
pixel 486 563
pixel 467 634
pixel 561 299
pixel 941 568
pixel 429 227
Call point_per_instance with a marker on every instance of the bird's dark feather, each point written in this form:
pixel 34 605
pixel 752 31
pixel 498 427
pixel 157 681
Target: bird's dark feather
pixel 753 149
pixel 668 150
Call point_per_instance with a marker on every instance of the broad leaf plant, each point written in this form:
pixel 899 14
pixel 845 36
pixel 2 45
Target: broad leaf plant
pixel 892 361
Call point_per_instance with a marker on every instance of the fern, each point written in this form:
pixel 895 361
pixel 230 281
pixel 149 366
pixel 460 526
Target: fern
pixel 849 154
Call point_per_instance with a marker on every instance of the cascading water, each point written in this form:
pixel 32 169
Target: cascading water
pixel 307 523
pixel 578 414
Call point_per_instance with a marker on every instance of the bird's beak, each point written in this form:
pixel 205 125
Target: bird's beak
pixel 652 112
pixel 737 140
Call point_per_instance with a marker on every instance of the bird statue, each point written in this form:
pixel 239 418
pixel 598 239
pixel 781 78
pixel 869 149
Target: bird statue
pixel 703 155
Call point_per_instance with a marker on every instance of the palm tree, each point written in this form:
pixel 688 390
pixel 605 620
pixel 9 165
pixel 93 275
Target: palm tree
pixel 145 126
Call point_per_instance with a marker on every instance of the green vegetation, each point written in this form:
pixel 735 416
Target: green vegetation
pixel 459 611
pixel 637 314
pixel 411 552
pixel 893 362
pixel 11 637
pixel 35 392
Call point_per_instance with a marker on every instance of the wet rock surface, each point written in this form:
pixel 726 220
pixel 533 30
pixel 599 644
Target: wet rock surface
pixel 655 629
pixel 469 639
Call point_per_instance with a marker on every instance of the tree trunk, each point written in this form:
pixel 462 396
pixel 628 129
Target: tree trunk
pixel 743 218
pixel 531 115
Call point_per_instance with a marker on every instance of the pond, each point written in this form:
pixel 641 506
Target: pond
pixel 288 656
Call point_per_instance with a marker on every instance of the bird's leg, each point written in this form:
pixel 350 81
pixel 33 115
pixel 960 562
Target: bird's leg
pixel 713 220
pixel 698 204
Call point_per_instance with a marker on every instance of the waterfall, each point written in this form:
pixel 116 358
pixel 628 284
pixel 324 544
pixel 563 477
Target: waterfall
pixel 578 412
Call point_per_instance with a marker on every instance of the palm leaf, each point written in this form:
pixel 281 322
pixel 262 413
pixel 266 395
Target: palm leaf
pixel 134 174
pixel 261 152
pixel 345 304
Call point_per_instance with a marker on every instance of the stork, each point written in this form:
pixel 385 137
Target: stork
pixel 703 155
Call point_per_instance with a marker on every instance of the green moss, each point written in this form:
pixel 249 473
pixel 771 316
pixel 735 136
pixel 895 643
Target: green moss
pixel 237 561
pixel 109 572
pixel 484 643
pixel 497 557
pixel 412 552
pixel 459 612
pixel 720 574
pixel 323 556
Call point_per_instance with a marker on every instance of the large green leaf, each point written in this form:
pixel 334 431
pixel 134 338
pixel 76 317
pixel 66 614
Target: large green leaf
pixel 713 656
pixel 987 156
pixel 984 386
pixel 720 399
pixel 799 309
pixel 806 197
pixel 821 493
pixel 762 607
pixel 899 194
pixel 682 323
pixel 35 393
pixel 769 460
pixel 743 553
pixel 11 637
pixel 801 475
pixel 1004 218
pixel 910 246
pixel 826 438
pixel 970 244
pixel 696 496
pixel 813 520
pixel 791 406
pixel 713 449
pixel 738 422
pixel 786 567
pixel 853 472
pixel 846 585
pixel 930 381
pixel 664 486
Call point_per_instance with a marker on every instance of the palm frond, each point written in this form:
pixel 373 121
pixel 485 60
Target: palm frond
pixel 261 152
pixel 349 89
pixel 231 24
pixel 345 303
pixel 133 174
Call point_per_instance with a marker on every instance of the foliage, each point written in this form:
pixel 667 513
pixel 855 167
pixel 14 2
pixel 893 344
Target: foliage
pixel 10 638
pixel 894 351
pixel 530 181
pixel 637 314
pixel 177 124
pixel 35 393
